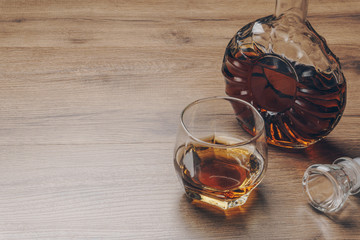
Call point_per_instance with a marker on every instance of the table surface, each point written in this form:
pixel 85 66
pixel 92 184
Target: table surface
pixel 91 93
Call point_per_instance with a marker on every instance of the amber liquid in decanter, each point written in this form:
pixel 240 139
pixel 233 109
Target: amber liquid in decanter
pixel 300 97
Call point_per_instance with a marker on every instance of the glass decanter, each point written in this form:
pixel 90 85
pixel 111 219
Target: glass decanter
pixel 285 69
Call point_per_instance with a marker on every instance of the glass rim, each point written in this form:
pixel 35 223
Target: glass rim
pixel 322 170
pixel 238 144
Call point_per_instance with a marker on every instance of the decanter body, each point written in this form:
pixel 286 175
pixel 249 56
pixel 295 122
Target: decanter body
pixel 284 68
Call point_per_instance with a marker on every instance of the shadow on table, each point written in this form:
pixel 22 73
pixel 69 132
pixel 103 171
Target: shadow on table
pixel 327 151
pixel 211 220
pixel 348 216
pixel 323 152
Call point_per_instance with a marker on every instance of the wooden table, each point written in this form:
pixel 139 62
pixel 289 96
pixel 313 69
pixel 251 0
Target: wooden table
pixel 91 93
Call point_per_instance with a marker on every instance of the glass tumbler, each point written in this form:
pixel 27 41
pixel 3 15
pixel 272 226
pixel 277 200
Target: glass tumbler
pixel 220 153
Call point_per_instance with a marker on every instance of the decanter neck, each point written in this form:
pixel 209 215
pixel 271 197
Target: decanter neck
pixel 298 7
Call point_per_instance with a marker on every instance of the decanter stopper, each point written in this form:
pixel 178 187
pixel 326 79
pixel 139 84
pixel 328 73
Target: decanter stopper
pixel 327 186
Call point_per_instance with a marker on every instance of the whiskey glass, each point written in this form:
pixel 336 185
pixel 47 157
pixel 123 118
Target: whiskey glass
pixel 220 152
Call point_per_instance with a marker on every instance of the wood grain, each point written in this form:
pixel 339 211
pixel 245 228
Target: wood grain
pixel 90 94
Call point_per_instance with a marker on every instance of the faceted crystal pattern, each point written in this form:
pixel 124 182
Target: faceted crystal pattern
pixel 285 69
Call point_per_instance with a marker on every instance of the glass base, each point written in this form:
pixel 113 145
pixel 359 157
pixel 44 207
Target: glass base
pixel 222 204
